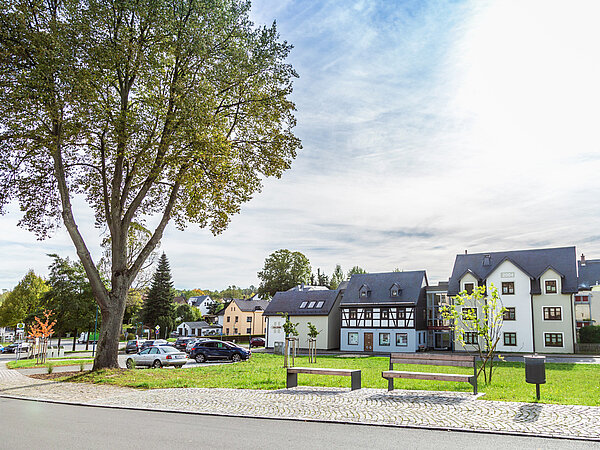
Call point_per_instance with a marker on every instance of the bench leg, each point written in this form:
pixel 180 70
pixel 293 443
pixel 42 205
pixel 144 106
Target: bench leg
pixel 292 380
pixel 390 384
pixel 474 383
pixel 355 381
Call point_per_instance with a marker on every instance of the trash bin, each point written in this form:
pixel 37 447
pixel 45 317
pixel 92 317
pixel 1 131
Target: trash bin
pixel 278 348
pixel 535 371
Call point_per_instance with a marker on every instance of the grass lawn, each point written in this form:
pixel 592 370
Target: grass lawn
pixel 575 384
pixel 29 363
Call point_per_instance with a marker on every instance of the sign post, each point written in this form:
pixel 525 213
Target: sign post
pixel 157 330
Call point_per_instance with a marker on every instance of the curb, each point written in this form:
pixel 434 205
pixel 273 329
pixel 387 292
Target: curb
pixel 299 419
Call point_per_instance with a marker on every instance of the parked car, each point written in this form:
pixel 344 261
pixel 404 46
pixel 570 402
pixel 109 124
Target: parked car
pixel 157 356
pixel 134 346
pixel 190 345
pixel 182 342
pixel 12 348
pixel 151 343
pixel 257 342
pixel 209 349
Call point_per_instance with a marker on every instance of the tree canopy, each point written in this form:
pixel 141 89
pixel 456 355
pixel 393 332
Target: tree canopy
pixel 24 301
pixel 283 270
pixel 356 269
pixel 174 110
pixel 337 277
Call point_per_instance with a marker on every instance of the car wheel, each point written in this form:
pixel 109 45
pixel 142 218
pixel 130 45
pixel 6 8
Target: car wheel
pixel 157 364
pixel 130 364
pixel 236 357
pixel 200 358
pixel 178 366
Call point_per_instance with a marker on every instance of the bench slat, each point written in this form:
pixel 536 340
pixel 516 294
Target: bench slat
pixel 318 371
pixel 433 362
pixel 427 376
pixel 452 357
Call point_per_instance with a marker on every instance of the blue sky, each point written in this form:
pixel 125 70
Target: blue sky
pixel 428 128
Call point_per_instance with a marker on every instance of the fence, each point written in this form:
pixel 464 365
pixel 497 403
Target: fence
pixel 587 348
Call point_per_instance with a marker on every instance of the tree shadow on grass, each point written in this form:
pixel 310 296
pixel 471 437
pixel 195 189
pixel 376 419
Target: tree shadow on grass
pixel 431 398
pixel 528 413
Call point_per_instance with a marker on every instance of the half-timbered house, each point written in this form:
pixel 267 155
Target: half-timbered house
pixel 384 312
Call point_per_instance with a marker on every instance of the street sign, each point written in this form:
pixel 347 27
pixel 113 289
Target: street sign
pixel 20 326
pixel 157 327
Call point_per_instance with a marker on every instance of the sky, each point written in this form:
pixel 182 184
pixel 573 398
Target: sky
pixel 428 128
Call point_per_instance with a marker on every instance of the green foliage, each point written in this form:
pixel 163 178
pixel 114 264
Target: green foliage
pixel 70 296
pixel 289 327
pixel 357 270
pixel 283 270
pixel 320 279
pixel 130 336
pixel 482 315
pixel 186 313
pixel 24 301
pixel 158 307
pixel 312 331
pixel 590 335
pixel 336 277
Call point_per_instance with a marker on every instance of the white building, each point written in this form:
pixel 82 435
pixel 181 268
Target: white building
pixel 201 302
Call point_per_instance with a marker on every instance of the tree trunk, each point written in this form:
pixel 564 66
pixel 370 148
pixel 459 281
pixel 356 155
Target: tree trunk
pixel 74 340
pixel 112 319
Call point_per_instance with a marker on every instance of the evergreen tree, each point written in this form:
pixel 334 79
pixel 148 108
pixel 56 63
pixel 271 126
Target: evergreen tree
pixel 158 307
pixel 337 277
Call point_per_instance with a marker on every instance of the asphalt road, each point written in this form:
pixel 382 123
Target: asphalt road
pixel 27 424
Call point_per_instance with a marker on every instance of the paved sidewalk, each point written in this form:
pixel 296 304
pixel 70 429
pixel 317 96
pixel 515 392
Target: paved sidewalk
pixel 436 410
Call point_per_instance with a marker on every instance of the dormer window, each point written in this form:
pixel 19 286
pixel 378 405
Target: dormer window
pixel 395 290
pixel 364 291
pixel 487 260
pixel 303 305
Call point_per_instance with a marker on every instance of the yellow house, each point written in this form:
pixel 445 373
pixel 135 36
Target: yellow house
pixel 245 317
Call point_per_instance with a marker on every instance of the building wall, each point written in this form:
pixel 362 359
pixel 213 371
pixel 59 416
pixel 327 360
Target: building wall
pixel 565 326
pixel 411 347
pixel 520 300
pixel 334 324
pixel 257 325
pixel 322 324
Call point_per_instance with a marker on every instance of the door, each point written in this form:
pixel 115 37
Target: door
pixel 368 342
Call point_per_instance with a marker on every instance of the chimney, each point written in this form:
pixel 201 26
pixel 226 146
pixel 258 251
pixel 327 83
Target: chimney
pixel 465 252
pixel 302 286
pixel 582 259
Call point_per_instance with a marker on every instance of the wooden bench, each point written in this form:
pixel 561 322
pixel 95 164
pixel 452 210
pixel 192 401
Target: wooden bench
pixel 292 375
pixel 433 360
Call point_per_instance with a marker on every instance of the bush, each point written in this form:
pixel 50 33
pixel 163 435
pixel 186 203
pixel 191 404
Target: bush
pixel 590 335
pixel 130 336
pixel 122 337
pixel 50 368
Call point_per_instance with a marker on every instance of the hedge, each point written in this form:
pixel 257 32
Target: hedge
pixel 590 335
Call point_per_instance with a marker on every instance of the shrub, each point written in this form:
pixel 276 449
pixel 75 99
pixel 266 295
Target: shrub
pixel 50 368
pixel 122 337
pixel 590 335
pixel 81 366
pixel 130 336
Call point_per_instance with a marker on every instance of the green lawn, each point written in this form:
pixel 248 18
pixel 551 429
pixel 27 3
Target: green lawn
pixel 29 363
pixel 565 383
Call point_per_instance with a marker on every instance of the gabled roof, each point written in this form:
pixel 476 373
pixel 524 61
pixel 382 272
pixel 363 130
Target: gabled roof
pixel 379 283
pixel 201 324
pixel 289 302
pixel 251 305
pixel 589 273
pixel 198 300
pixel 532 262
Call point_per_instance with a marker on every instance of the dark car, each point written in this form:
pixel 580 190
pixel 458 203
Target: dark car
pixel 134 346
pixel 207 350
pixel 182 342
pixel 257 342
pixel 152 343
pixel 12 348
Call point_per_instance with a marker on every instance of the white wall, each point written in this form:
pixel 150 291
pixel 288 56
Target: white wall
pixel 413 339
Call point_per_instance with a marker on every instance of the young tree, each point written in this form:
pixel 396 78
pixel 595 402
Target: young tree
pixel 174 109
pixel 283 270
pixel 24 301
pixel 337 277
pixel 158 307
pixel 186 313
pixel 482 316
pixel 355 269
pixel 320 279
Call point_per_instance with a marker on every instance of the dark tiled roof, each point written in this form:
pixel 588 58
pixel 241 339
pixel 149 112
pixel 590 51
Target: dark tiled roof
pixel 533 262
pixel 289 302
pixel 251 305
pixel 589 273
pixel 180 300
pixel 380 284
pixel 201 324
pixel 195 301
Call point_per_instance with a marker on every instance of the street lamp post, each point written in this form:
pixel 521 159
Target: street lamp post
pixel 95 327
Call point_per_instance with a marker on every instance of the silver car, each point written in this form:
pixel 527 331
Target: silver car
pixel 157 357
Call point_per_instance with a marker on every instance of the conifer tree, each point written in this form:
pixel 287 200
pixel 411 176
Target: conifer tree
pixel 158 307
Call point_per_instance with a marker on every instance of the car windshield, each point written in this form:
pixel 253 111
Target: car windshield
pixel 167 349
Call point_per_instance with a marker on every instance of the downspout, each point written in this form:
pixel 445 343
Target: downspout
pixel 532 319
pixel 573 329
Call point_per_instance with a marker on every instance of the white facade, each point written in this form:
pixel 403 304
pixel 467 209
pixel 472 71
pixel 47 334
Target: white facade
pixel 327 339
pixel 203 306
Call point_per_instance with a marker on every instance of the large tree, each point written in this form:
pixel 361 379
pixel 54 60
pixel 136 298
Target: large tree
pixel 150 111
pixel 159 308
pixel 283 270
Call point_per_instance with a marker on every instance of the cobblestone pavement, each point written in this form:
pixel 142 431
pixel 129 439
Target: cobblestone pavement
pixel 440 410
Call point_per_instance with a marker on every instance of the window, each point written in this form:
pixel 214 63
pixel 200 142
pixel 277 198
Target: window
pixel 228 318
pixel 509 314
pixel 582 299
pixel 553 339
pixel 385 313
pixel 510 339
pixel 470 337
pixel 368 314
pixel 469 313
pixel 353 314
pixel 402 339
pixel 235 331
pixel 226 330
pixel 249 319
pixel 469 288
pixel 384 339
pixel 353 338
pixel 402 314
pixel 248 331
pixel 319 305
pixel 303 304
pixel 508 287
pixel 363 293
pixel 394 292
pixel 550 287
pixel 553 313
pixel 236 318
pixel 311 304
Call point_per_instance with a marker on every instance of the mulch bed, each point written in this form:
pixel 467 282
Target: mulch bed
pixel 55 375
